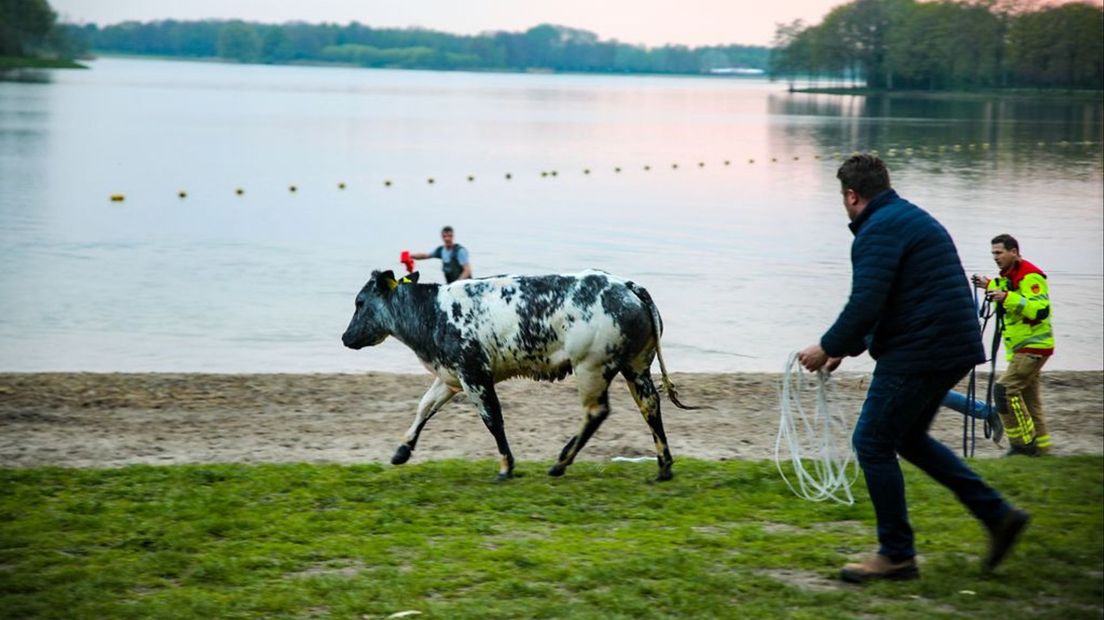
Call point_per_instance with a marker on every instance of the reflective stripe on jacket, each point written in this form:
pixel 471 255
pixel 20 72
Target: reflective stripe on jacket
pixel 1026 310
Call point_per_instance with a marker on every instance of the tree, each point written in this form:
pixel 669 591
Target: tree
pixel 239 41
pixel 1058 47
pixel 24 25
pixel 788 56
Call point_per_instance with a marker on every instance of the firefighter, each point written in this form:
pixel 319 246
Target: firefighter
pixel 1023 301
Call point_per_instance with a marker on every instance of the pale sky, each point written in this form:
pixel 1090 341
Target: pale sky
pixel 648 22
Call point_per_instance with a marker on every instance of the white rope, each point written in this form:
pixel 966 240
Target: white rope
pixel 820 447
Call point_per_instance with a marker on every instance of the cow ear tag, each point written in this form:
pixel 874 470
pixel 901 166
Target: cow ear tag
pixel 387 278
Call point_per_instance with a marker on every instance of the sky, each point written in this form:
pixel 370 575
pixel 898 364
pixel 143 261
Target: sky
pixel 647 22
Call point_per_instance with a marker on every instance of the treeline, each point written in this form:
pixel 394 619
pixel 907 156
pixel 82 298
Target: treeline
pixel 28 28
pixel 908 44
pixel 545 47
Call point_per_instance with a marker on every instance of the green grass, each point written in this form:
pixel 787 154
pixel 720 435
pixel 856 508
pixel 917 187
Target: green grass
pixel 722 540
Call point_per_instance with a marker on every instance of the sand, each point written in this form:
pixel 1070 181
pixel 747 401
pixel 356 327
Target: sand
pixel 113 420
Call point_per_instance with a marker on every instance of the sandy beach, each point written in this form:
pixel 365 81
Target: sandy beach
pixel 113 420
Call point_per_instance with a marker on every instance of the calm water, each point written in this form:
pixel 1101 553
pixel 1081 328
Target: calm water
pixel 747 261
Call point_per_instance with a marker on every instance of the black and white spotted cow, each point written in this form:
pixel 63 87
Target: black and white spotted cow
pixel 472 334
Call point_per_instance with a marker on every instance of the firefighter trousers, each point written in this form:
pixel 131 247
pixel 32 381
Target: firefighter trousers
pixel 1021 408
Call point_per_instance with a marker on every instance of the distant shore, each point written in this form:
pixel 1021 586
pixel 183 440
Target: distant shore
pixel 113 420
pixel 988 93
pixel 21 62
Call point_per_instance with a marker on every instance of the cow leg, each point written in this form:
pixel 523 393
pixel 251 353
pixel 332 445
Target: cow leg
pixel 435 397
pixel 594 393
pixel 483 394
pixel 647 398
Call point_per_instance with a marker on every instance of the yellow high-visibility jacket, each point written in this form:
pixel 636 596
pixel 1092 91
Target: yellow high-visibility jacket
pixel 1026 310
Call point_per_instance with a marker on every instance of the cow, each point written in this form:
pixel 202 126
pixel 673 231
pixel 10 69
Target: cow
pixel 471 334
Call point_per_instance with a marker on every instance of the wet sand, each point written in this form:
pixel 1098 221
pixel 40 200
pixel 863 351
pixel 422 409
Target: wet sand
pixel 112 420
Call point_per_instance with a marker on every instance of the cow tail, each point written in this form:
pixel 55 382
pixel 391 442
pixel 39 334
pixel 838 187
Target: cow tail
pixel 657 323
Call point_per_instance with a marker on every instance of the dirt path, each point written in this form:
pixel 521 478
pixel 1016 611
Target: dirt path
pixel 109 420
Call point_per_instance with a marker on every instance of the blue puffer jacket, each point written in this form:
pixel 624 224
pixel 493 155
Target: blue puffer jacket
pixel 910 302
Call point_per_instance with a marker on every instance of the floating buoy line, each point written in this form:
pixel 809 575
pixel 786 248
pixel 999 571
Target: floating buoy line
pixel 944 150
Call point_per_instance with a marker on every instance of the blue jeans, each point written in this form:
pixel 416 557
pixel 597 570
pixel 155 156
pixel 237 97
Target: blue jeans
pixel 895 419
pixel 961 404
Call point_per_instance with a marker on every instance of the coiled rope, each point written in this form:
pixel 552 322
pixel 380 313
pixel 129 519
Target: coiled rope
pixel 819 446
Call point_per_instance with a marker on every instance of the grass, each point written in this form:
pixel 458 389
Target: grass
pixel 722 540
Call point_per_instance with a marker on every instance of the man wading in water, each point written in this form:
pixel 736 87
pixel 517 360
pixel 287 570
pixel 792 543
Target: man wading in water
pixel 454 257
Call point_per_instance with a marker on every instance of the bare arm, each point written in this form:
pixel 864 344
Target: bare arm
pixel 419 255
pixel 467 273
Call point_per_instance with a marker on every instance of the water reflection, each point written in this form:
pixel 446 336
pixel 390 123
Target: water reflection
pixel 31 76
pixel 746 260
pixel 935 125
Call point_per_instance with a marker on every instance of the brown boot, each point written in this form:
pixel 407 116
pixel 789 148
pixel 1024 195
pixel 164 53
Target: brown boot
pixel 879 566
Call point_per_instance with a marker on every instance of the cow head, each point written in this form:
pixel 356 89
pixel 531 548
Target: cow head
pixel 369 325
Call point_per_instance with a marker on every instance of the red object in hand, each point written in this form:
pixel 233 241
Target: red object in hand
pixel 405 259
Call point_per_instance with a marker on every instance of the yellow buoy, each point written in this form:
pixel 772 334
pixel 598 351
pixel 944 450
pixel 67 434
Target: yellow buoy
pixel 117 198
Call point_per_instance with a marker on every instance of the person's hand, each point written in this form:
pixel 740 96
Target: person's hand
pixel 997 295
pixel 833 364
pixel 813 357
pixel 979 281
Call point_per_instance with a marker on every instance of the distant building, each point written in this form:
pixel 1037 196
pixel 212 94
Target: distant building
pixel 736 71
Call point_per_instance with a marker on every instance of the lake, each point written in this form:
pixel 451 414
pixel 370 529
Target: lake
pixel 746 261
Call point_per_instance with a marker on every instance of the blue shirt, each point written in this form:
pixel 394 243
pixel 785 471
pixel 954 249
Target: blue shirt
pixel 445 254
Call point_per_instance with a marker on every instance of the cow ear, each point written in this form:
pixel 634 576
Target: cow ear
pixel 411 278
pixel 386 281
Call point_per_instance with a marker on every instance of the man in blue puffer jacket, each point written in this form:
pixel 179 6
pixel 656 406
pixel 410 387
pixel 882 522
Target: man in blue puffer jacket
pixel 912 308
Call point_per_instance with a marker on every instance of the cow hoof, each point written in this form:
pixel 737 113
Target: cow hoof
pixel 503 477
pixel 402 455
pixel 664 476
pixel 557 470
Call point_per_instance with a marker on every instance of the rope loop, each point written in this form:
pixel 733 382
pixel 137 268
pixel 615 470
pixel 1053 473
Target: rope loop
pixel 819 446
